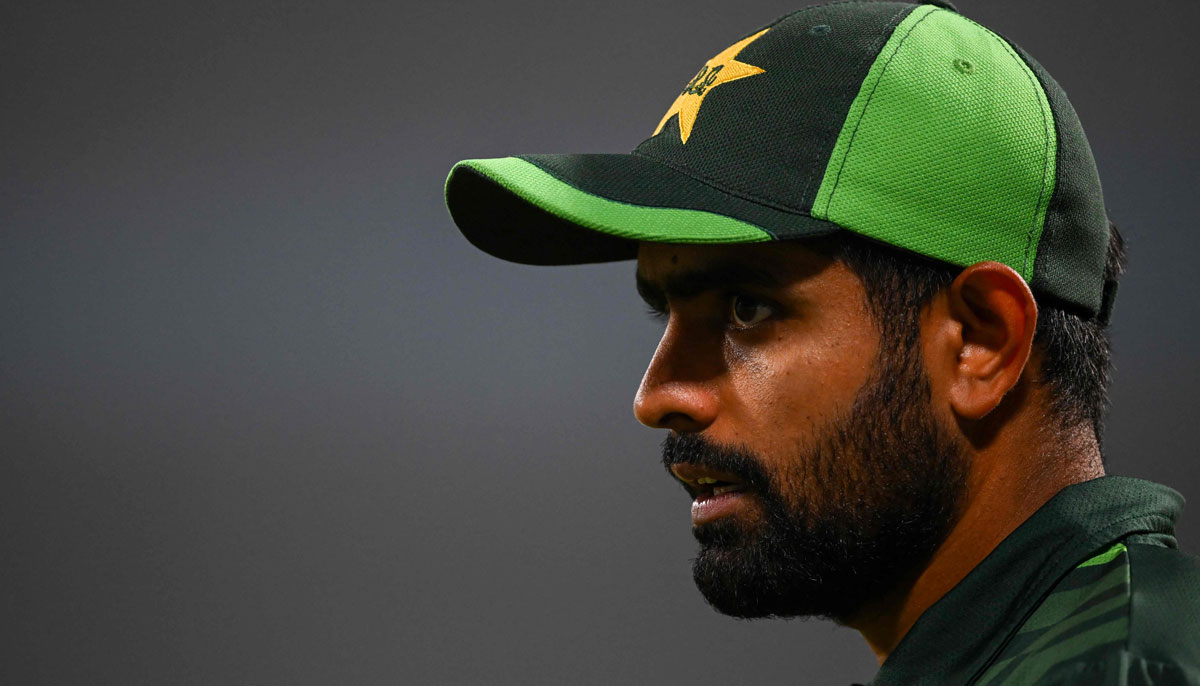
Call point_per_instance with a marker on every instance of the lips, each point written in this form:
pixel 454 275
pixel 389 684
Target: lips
pixel 715 494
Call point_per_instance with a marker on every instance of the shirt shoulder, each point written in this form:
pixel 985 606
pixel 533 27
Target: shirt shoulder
pixel 1128 615
pixel 1165 605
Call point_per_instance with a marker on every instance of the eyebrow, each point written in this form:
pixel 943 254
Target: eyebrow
pixel 689 284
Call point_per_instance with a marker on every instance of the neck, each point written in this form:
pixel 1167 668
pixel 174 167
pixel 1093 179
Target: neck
pixel 1004 488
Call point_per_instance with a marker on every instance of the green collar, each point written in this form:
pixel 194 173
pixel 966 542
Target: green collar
pixel 956 638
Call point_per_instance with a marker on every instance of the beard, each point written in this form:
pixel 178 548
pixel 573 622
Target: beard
pixel 848 520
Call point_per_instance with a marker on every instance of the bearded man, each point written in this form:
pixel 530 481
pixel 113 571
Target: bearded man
pixel 876 237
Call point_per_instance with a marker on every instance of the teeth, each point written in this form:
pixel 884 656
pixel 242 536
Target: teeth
pixel 706 480
pixel 727 489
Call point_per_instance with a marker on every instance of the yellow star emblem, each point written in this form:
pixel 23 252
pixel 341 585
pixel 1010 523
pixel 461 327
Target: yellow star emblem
pixel 721 69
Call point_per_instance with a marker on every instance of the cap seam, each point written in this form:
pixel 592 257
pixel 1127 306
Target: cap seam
pixel 812 172
pixel 1037 88
pixel 863 113
pixel 1024 69
pixel 907 7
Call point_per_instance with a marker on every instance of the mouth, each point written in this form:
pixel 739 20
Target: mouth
pixel 714 494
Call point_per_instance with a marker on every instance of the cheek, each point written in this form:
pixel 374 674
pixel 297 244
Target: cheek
pixel 791 384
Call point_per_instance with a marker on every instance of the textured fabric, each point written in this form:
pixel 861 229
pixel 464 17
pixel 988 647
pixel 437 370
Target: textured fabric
pixel 746 157
pixel 949 148
pixel 1089 590
pixel 716 72
pixel 1087 612
pixel 1074 241
pixel 903 122
pixel 767 137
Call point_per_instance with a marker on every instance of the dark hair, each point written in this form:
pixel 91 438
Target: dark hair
pixel 1076 351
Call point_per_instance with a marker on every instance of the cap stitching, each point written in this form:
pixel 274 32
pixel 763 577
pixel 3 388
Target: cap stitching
pixel 837 179
pixel 812 171
pixel 1023 68
pixel 1037 88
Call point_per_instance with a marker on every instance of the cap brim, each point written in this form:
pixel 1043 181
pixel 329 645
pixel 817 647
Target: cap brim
pixel 576 209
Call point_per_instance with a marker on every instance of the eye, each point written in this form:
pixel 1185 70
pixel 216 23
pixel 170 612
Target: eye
pixel 746 311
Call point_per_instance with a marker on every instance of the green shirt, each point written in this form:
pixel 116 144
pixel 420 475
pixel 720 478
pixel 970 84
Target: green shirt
pixel 1089 590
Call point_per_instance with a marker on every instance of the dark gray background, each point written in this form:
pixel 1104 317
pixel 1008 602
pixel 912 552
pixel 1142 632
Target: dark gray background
pixel 267 418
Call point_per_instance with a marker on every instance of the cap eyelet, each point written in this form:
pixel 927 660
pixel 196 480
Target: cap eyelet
pixel 965 66
pixel 820 30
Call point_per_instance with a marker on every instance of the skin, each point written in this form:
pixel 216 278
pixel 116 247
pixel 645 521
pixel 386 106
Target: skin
pixel 764 365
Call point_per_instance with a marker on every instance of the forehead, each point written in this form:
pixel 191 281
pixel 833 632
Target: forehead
pixel 783 262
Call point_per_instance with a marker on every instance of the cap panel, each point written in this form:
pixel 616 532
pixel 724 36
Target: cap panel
pixel 534 185
pixel 1074 245
pixel 949 148
pixel 767 136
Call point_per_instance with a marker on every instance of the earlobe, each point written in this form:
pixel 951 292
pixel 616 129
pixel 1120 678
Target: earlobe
pixel 997 317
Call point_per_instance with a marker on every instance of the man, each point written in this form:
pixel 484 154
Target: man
pixel 876 236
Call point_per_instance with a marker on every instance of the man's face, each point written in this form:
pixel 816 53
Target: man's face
pixel 821 477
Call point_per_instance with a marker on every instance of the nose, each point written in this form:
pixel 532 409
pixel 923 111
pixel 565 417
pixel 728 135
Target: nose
pixel 678 391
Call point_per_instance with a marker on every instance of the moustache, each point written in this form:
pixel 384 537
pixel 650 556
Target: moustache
pixel 693 449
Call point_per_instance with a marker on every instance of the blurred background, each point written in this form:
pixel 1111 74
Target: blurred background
pixel 266 417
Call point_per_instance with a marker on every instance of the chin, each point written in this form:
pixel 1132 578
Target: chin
pixel 758 574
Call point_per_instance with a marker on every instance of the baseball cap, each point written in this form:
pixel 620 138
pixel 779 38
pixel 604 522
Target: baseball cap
pixel 906 123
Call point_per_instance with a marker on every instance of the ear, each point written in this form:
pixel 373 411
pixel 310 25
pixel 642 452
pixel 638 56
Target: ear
pixel 992 317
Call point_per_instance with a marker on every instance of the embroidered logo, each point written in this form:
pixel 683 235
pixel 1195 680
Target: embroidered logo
pixel 719 70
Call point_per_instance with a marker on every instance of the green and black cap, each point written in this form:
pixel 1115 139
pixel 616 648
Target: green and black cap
pixel 906 123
